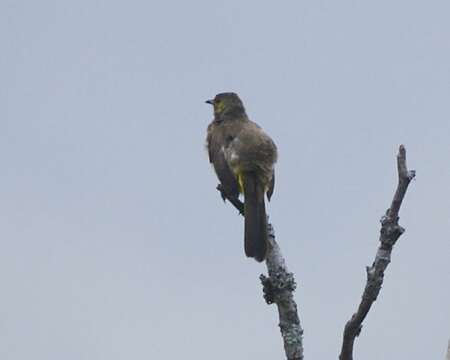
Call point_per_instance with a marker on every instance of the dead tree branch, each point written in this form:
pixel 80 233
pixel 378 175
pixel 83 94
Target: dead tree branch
pixel 278 288
pixel 389 234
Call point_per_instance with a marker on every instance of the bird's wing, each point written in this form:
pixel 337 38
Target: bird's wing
pixel 271 186
pixel 215 143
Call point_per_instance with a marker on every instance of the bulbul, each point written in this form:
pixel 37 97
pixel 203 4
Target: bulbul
pixel 243 156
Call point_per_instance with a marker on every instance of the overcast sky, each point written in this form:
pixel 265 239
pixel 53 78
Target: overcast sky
pixel 114 243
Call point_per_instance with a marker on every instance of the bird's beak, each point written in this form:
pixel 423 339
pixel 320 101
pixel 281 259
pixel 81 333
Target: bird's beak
pixel 210 102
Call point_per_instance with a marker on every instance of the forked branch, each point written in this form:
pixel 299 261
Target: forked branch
pixel 389 234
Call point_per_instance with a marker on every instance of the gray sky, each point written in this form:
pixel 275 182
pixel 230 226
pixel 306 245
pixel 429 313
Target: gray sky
pixel 116 245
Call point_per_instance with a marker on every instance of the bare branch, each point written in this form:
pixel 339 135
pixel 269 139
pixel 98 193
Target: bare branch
pixel 278 288
pixel 448 351
pixel 389 234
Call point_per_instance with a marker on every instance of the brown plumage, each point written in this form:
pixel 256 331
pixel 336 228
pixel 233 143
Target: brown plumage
pixel 243 156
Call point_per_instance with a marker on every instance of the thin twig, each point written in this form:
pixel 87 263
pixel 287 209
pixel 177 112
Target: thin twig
pixel 278 288
pixel 238 204
pixel 389 234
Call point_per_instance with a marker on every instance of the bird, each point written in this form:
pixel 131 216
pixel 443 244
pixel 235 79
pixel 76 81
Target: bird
pixel 243 157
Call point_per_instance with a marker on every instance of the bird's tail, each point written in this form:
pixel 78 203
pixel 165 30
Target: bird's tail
pixel 255 218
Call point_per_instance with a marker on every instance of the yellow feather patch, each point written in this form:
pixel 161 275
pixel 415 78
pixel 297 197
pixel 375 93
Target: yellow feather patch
pixel 240 179
pixel 220 107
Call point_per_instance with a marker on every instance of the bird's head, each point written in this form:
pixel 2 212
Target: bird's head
pixel 227 104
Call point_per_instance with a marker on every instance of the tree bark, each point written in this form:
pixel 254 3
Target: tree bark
pixel 279 288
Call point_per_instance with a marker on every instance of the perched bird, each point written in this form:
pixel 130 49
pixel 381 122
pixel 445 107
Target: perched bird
pixel 243 156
